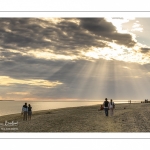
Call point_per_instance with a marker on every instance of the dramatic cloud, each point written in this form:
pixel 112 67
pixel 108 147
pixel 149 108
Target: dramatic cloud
pixel 145 50
pixel 31 33
pixel 69 58
pixel 64 37
pixel 61 39
pixel 107 31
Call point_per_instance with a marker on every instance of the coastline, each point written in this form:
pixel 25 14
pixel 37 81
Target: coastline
pixel 127 118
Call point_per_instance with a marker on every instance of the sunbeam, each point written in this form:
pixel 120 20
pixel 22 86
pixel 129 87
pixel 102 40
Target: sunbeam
pixel 81 59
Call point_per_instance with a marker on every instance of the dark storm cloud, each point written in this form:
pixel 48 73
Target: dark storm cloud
pixel 97 26
pixel 20 66
pixel 26 67
pixel 21 33
pixel 66 38
pixel 145 50
pixel 106 31
pixel 31 33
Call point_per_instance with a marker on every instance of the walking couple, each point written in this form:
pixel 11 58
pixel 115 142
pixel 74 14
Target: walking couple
pixel 26 111
pixel 109 106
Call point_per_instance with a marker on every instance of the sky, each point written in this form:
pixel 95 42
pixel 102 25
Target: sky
pixel 74 58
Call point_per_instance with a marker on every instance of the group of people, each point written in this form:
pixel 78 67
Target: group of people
pixel 146 100
pixel 129 101
pixel 108 106
pixel 26 112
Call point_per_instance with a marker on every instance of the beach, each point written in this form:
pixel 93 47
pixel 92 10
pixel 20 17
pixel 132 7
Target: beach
pixel 132 117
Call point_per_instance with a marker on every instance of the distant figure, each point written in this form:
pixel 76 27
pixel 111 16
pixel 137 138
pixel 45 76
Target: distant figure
pixel 105 105
pixel 29 112
pixel 25 111
pixel 101 107
pixel 130 101
pixel 111 107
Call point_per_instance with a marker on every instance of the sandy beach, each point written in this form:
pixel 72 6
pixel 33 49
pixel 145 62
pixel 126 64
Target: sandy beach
pixel 134 118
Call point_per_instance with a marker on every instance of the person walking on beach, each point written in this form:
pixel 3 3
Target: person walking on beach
pixel 111 107
pixel 25 111
pixel 101 108
pixel 29 112
pixel 105 104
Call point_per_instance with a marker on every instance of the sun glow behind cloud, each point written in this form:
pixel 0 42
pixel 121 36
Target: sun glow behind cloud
pixel 119 53
pixel 8 81
pixel 18 93
pixel 113 51
pixel 51 56
pixel 79 57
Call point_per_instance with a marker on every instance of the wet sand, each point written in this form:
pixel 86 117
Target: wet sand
pixel 135 118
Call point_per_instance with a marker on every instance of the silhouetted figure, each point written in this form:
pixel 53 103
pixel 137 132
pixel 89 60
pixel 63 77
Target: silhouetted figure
pixel 105 105
pixel 25 111
pixel 111 107
pixel 29 112
pixel 101 108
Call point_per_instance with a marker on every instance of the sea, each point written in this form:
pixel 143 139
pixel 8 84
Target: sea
pixel 13 107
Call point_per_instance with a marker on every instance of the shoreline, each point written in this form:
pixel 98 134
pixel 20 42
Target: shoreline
pixel 45 110
pixel 132 117
pixel 72 107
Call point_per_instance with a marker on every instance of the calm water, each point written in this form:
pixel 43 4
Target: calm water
pixel 12 107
